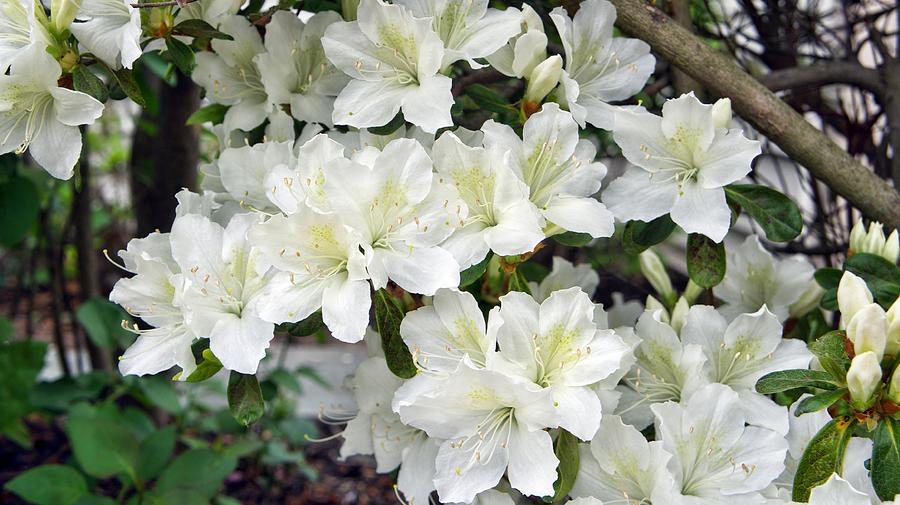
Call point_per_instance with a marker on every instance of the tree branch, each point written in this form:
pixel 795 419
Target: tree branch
pixel 820 74
pixel 754 102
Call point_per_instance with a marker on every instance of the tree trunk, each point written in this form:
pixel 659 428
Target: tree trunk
pixel 165 153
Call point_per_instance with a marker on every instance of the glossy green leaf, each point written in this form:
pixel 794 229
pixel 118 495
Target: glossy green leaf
pixel 566 449
pixel 638 235
pixel 85 81
pixel 819 401
pixel 197 471
pixel 388 316
pixel 882 276
pixel 573 239
pixel 181 54
pixel 207 368
pixel 20 364
pixel 102 321
pixel 828 278
pixel 155 452
pixel 832 354
pixel 824 456
pixel 306 327
pixel 213 113
pixel 49 485
pixel 389 128
pixel 474 272
pixel 487 99
pixel 125 79
pixel 102 446
pixel 201 29
pixel 785 380
pixel 161 392
pixel 776 214
pixel 518 282
pixel 886 459
pixel 19 209
pixel 245 398
pixel 705 260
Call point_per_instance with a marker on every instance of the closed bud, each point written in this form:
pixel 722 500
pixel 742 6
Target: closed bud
pixel 857 236
pixel 807 302
pixel 721 113
pixel 852 295
pixel 892 345
pixel 655 272
pixel 679 313
pixel 62 13
pixel 891 249
pixel 868 330
pixel 543 79
pixel 874 242
pixel 894 387
pixel 863 380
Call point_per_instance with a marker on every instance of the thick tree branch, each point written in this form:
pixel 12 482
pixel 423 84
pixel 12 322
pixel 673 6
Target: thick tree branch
pixel 754 102
pixel 820 74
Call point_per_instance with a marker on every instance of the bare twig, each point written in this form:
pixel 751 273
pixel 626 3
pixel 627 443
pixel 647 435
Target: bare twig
pixel 174 3
pixel 838 72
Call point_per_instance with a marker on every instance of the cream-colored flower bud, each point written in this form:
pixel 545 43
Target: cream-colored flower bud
pixel 894 387
pixel 852 295
pixel 808 301
pixel 679 314
pixel 348 9
pixel 62 13
pixel 721 113
pixel 891 249
pixel 692 291
pixel 543 79
pixel 892 345
pixel 863 380
pixel 874 242
pixel 868 330
pixel 654 271
pixel 857 236
pixel 652 304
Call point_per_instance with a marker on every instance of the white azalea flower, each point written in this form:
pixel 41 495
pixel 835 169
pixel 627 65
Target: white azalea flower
pixel 665 370
pixel 441 334
pixel 558 168
pixel 491 424
pixel 599 68
pixel 153 294
pixel 401 212
pixel 716 458
pixel 39 116
pixel 19 29
pixel 393 59
pixel 492 497
pixel 245 171
pixel 756 278
pixel 682 161
pixel 468 28
pixel 564 275
pixel 223 278
pixel 111 31
pixel 357 140
pixel 211 11
pixel 501 218
pixel 524 51
pixel 741 352
pixel 300 186
pixel 377 430
pixel 837 491
pixel 230 76
pixel 294 69
pixel 619 463
pixel 319 265
pixel 557 346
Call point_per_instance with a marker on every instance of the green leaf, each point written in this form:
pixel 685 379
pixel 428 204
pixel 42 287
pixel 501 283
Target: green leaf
pixel 199 28
pixel 102 446
pixel 785 380
pixel 392 126
pixel 6 330
pixel 245 398
pixel 775 213
pixel 308 326
pixel 197 471
pixel 161 393
pixel 829 300
pixel 886 459
pixel 830 350
pixel 566 449
pixel 155 452
pixel 819 401
pixel 488 99
pixel 705 260
pixel 125 79
pixel 49 485
pixel 95 500
pixel 213 113
pixel 182 55
pixel 573 239
pixel 638 235
pixel 828 278
pixel 19 209
pixel 388 316
pixel 882 276
pixel 206 369
pixel 285 380
pixel 102 321
pixel 824 456
pixel 85 81
pixel 518 282
pixel 20 364
pixel 474 272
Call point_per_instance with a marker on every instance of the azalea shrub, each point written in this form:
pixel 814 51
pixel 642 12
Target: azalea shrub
pixel 387 171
